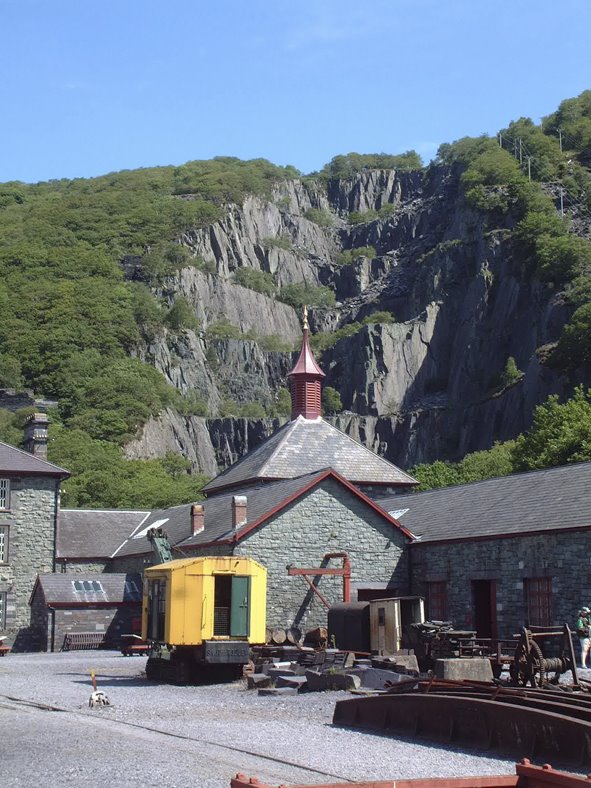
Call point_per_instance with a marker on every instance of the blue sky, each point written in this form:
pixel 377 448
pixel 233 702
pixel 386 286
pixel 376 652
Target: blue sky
pixel 92 86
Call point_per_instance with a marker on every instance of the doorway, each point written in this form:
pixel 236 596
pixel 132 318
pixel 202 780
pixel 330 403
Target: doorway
pixel 484 605
pixel 231 606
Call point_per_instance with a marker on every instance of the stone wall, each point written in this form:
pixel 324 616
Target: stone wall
pixel 80 565
pixel 564 557
pixel 328 519
pixel 31 540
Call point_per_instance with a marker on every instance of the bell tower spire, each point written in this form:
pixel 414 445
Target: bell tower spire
pixel 305 380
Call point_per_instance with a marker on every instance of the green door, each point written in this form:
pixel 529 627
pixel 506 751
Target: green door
pixel 240 606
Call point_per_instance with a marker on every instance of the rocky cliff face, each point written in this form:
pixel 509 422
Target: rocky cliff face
pixel 427 386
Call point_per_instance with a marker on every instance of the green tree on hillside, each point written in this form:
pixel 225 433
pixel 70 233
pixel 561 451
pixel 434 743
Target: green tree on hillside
pixel 560 434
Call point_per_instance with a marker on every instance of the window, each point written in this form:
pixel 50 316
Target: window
pixel 437 600
pixel 87 586
pixel 132 592
pixel 3 544
pixel 4 493
pixel 538 601
pixel 3 609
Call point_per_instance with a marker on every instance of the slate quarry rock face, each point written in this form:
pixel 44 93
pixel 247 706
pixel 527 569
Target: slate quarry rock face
pixel 421 388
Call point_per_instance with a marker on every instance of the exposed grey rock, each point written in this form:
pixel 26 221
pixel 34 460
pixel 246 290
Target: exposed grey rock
pixel 425 387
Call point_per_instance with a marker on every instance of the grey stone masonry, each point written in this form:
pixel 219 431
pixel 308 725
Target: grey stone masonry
pixel 509 562
pixel 327 519
pixel 31 519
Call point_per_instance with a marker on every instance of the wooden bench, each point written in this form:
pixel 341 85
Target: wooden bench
pixel 77 641
pixel 4 650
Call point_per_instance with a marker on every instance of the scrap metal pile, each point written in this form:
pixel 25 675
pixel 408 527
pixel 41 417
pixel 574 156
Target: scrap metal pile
pixel 531 713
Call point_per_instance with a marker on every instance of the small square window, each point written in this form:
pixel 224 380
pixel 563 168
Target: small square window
pixel 5 494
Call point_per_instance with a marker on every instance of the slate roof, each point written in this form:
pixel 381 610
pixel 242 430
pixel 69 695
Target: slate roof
pixel 61 588
pixel 538 501
pixel 94 533
pixel 23 463
pixel 303 446
pixel 263 499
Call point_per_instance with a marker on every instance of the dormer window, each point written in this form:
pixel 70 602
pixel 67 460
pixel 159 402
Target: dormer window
pixel 4 494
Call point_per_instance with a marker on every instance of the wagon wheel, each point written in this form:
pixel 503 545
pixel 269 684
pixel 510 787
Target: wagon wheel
pixel 528 665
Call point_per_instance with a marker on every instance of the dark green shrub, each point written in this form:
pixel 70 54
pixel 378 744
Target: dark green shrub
pixel 319 216
pixel 260 281
pixel 301 293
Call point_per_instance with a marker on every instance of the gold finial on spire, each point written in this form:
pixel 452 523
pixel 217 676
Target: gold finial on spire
pixel 306 324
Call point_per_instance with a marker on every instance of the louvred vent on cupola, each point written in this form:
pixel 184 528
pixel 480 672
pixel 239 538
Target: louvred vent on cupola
pixel 305 381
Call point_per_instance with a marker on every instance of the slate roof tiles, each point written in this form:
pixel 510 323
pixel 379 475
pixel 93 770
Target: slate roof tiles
pixel 545 500
pixel 18 462
pixel 304 445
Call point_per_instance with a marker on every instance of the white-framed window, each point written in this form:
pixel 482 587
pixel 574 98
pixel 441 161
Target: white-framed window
pixel 87 586
pixel 131 590
pixel 4 493
pixel 3 596
pixel 4 530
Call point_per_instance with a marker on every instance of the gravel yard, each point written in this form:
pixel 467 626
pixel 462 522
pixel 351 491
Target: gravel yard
pixel 160 735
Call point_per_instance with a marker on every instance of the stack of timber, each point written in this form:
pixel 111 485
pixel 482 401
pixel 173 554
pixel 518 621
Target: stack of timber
pixel 553 723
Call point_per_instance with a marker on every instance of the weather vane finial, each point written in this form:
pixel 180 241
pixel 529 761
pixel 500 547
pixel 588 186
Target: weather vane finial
pixel 306 324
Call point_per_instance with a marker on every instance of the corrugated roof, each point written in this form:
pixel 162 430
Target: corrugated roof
pixel 75 589
pixel 303 446
pixel 546 500
pixel 94 533
pixel 262 500
pixel 13 460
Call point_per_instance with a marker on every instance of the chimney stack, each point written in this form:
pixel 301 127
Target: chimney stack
pixel 197 518
pixel 36 435
pixel 238 511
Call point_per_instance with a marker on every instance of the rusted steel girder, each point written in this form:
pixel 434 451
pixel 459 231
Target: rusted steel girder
pixel 344 572
pixel 524 730
pixel 526 776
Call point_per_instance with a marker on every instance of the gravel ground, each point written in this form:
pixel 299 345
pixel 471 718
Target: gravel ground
pixel 168 736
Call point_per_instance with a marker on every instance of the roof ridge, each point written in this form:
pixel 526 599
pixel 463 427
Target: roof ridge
pixel 291 425
pixel 33 456
pixel 366 448
pixel 474 482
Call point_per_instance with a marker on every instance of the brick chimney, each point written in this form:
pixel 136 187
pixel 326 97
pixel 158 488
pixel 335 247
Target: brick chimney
pixel 36 435
pixel 238 511
pixel 197 518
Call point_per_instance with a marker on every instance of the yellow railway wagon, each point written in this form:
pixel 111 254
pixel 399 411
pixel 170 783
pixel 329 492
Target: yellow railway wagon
pixel 202 612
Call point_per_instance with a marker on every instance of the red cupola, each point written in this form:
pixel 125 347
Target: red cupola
pixel 305 380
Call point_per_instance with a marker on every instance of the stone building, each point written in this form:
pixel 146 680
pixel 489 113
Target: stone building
pixel 490 556
pixel 29 508
pixel 104 606
pixel 301 496
pixel 499 554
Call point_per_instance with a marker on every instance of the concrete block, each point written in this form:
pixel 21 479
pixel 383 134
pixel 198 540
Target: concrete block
pixel 320 682
pixel 374 678
pixel 274 673
pixel 258 680
pixel 401 663
pixel 291 681
pixel 272 691
pixel 475 668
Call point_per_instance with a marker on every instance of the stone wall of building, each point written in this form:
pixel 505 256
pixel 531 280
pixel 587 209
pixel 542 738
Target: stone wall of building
pixel 31 520
pixel 563 557
pixel 328 519
pixel 81 565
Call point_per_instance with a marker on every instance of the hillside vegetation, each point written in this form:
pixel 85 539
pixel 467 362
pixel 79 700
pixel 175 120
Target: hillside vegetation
pixel 71 324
